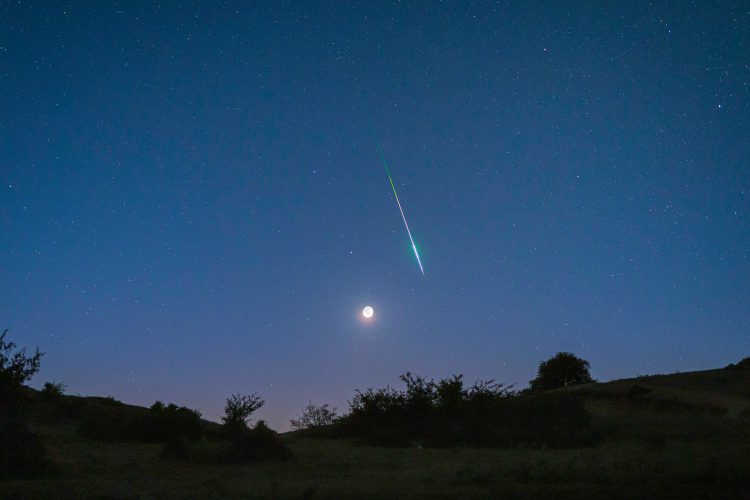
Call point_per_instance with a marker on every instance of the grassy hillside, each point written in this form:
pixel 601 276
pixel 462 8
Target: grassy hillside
pixel 720 392
pixel 671 436
pixel 75 411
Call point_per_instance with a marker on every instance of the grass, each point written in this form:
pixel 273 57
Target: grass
pixel 623 468
pixel 717 391
pixel 647 452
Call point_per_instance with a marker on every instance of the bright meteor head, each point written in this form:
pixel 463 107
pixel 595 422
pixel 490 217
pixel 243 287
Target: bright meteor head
pixel 419 261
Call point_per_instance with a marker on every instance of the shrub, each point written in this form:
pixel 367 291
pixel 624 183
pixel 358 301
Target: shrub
pixel 444 413
pixel 258 444
pixel 238 409
pixel 53 391
pixel 105 422
pixel 744 364
pixel 379 417
pixel 313 417
pixel 170 423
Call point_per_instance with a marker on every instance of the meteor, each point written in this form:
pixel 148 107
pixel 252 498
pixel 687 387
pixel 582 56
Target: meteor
pixel 408 231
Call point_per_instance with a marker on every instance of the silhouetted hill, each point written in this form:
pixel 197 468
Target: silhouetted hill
pixel 82 411
pixel 719 392
pixel 683 435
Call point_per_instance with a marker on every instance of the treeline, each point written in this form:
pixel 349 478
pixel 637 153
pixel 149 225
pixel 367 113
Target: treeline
pixel 446 413
pixel 184 434
pixel 425 412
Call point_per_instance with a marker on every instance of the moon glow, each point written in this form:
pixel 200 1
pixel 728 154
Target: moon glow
pixel 367 312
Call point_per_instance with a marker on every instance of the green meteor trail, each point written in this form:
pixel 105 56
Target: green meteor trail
pixel 408 231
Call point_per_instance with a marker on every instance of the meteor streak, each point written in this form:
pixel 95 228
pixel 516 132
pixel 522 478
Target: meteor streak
pixel 413 246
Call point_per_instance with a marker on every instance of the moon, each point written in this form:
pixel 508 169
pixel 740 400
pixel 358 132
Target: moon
pixel 367 312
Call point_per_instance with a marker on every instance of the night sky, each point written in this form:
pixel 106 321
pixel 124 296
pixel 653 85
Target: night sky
pixel 193 202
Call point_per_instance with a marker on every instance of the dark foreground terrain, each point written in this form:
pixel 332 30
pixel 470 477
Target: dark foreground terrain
pixel 672 436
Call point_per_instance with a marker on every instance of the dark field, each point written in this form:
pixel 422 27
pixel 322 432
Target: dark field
pixel 676 436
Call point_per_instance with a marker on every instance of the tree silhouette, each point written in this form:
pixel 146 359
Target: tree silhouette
pixel 744 364
pixel 53 391
pixel 21 453
pixel 15 368
pixel 313 416
pixel 561 370
pixel 239 408
pixel 445 413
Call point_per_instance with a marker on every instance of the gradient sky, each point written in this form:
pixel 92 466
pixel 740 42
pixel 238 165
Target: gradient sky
pixel 193 203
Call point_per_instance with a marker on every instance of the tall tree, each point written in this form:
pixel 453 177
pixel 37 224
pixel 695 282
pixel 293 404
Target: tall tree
pixel 561 370
pixel 15 369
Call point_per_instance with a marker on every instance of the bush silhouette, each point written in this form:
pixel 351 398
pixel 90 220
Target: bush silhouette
pixel 379 417
pixel 314 417
pixel 53 391
pixel 743 364
pixel 445 413
pixel 258 444
pixel 164 424
pixel 561 370
pixel 171 423
pixel 238 409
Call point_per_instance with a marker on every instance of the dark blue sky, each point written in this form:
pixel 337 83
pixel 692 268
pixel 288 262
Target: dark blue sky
pixel 193 202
